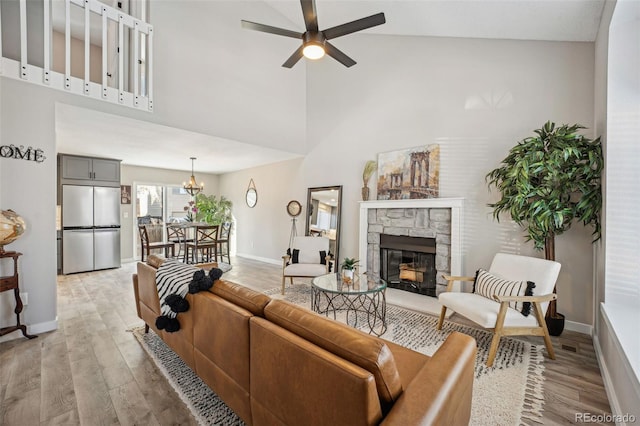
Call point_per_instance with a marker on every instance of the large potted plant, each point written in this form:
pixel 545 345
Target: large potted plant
pixel 547 182
pixel 212 210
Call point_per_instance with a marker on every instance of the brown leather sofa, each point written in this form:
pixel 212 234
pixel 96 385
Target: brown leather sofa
pixel 275 363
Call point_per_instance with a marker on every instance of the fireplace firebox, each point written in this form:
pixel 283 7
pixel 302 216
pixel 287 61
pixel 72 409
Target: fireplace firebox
pixel 408 263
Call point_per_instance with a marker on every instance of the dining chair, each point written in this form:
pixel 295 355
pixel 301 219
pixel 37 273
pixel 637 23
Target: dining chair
pixel 146 245
pixel 177 234
pixel 223 242
pixel 205 243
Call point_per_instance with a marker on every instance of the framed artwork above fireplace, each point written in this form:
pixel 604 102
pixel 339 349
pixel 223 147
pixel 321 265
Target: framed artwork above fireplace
pixel 411 173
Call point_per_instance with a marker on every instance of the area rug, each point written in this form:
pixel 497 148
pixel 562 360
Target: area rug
pixel 508 393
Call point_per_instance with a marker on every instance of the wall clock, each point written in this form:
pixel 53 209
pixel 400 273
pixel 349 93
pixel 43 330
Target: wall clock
pixel 294 208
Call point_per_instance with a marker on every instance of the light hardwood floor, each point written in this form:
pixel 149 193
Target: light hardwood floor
pixel 92 371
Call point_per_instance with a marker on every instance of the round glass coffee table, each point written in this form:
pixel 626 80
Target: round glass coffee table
pixel 363 295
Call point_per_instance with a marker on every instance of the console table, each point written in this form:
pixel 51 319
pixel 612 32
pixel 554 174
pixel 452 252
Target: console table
pixel 10 282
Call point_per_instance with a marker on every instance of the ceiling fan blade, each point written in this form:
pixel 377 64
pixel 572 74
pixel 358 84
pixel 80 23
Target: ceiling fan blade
pixel 337 54
pixel 353 26
pixel 293 59
pixel 310 15
pixel 269 29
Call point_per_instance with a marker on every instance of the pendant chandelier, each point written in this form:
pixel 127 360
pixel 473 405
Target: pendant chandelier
pixel 192 187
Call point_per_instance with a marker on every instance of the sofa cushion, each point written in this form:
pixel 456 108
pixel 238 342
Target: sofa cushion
pixel 251 300
pixel 489 285
pixel 305 270
pixel 365 351
pixel 484 311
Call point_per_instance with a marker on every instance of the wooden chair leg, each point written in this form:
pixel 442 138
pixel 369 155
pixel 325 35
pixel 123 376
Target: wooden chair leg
pixel 283 278
pixel 493 350
pixel 443 311
pixel 543 324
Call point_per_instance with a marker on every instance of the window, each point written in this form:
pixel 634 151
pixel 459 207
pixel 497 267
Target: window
pixel 622 155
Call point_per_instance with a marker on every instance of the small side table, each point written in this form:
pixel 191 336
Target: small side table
pixel 363 294
pixel 10 282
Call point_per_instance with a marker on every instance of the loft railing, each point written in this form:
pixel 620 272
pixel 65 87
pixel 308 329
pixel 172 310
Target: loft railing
pixel 84 47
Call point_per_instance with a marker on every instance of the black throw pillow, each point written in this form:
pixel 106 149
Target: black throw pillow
pixel 294 257
pixel 323 257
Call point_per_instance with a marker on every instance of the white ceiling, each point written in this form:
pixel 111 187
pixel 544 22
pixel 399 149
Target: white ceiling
pixel 551 20
pixel 81 131
pixel 86 132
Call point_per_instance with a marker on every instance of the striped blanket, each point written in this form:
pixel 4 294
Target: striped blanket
pixel 172 281
pixel 173 277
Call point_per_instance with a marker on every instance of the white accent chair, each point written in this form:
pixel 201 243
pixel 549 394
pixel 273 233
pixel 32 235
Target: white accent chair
pixel 497 316
pixel 308 264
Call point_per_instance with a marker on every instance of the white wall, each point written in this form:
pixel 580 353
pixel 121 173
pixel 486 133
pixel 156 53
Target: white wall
pixel 141 175
pixel 214 77
pixel 29 189
pixel 263 232
pixel 476 98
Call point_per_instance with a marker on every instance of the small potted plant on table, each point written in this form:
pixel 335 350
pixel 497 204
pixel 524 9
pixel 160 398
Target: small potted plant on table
pixel 348 268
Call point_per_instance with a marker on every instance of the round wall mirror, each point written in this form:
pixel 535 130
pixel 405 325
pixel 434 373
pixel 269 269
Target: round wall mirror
pixel 252 197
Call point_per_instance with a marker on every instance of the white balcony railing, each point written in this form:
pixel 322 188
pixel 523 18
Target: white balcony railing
pixel 84 47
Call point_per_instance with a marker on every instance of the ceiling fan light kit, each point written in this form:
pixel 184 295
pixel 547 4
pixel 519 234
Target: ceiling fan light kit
pixel 313 45
pixel 314 42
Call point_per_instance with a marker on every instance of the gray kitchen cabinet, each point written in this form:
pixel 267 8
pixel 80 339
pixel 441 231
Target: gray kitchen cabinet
pixel 106 170
pixel 78 170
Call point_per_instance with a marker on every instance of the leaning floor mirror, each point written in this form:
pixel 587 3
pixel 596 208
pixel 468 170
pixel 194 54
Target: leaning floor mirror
pixel 323 216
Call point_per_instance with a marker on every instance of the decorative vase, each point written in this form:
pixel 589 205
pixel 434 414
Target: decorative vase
pixel 347 275
pixel 365 193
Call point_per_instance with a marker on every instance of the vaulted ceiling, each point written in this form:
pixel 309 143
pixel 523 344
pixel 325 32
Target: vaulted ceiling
pixel 255 88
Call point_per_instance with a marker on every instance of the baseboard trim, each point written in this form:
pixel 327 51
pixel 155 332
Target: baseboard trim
pixel 579 327
pixel 38 328
pixel 606 378
pixel 260 259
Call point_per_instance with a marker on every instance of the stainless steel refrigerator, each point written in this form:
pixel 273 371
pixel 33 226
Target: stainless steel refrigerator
pixel 90 228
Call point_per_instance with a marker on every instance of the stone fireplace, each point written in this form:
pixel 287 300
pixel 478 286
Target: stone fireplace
pixel 411 243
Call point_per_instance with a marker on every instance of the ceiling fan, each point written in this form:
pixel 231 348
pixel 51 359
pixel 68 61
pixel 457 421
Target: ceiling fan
pixel 314 42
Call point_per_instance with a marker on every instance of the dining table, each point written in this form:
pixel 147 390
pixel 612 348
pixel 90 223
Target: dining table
pixel 190 232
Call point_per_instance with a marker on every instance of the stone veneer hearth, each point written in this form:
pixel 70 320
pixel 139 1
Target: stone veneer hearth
pixel 438 218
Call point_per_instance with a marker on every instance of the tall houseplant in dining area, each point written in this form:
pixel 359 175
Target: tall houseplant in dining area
pixel 547 182
pixel 213 210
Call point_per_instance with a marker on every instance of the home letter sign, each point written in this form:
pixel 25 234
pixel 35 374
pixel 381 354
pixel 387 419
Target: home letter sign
pixel 22 153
